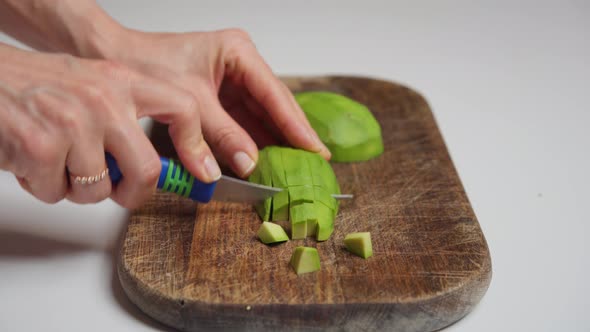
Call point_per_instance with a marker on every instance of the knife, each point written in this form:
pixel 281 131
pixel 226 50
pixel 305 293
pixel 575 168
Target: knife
pixel 176 179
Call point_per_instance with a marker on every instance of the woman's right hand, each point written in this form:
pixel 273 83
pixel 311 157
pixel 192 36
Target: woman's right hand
pixel 59 114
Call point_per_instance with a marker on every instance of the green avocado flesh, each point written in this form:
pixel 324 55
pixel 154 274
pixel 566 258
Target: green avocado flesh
pixel 359 244
pixel 309 183
pixel 347 127
pixel 271 233
pixel 305 259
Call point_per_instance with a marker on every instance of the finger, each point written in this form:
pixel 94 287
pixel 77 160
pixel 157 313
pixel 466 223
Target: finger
pixel 324 152
pixel 228 140
pixel 138 161
pixel 266 89
pixel 180 110
pixel 255 126
pixel 88 178
pixel 229 94
pixel 48 184
pixel 41 169
pixel 249 114
pixel 265 118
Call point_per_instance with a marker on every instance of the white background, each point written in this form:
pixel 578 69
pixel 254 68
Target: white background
pixel 508 83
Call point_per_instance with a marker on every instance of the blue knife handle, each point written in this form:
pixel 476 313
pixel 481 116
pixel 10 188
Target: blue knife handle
pixel 173 178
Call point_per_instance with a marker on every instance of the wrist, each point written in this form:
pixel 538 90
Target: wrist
pixel 92 32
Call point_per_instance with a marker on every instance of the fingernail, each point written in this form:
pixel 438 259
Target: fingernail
pixel 313 136
pixel 243 163
pixel 320 147
pixel 212 168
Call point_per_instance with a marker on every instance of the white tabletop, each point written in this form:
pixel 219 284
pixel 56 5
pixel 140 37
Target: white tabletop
pixel 509 85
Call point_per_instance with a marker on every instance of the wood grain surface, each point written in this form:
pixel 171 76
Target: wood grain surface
pixel 200 267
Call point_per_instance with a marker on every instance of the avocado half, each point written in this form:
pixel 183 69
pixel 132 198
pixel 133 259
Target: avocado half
pixel 346 127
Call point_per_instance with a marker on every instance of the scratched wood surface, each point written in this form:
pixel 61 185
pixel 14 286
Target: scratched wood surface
pixel 198 267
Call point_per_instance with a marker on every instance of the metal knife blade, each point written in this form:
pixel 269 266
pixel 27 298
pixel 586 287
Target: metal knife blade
pixel 230 189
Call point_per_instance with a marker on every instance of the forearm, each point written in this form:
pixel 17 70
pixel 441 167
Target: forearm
pixel 78 27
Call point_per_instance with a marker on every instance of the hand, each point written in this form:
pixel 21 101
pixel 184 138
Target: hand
pixel 59 114
pixel 235 90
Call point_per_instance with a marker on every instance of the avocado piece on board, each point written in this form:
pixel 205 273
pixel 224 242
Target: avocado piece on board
pixel 271 233
pixel 305 259
pixel 359 244
pixel 347 127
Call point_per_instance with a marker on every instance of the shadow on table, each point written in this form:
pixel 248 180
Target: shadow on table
pixel 16 244
pixel 21 245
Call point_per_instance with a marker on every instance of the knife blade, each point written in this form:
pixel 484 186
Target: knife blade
pixel 176 179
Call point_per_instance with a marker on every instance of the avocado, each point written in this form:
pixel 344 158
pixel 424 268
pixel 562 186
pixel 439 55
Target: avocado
pixel 305 259
pixel 262 175
pixel 347 128
pixel 309 183
pixel 359 244
pixel 271 233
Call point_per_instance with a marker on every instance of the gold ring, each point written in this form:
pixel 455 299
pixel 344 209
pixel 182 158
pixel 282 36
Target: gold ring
pixel 90 179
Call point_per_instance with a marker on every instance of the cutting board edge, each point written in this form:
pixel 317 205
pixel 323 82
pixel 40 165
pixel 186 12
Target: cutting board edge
pixel 171 311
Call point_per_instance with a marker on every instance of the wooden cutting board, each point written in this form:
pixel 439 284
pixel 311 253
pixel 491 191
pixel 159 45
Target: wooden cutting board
pixel 200 266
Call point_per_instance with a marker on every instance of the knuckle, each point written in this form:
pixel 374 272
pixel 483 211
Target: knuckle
pixel 69 61
pixel 40 148
pixel 237 34
pixel 191 105
pixel 70 118
pixel 189 112
pixel 149 173
pixel 114 69
pixel 189 108
pixel 101 101
pixel 224 136
pixel 93 91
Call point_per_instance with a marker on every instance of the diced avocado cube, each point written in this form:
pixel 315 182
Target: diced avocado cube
pixel 271 233
pixel 305 259
pixel 301 194
pixel 325 221
pixel 296 167
pixel 300 212
pixel 275 161
pixel 311 226
pixel 322 173
pixel 299 216
pixel 299 230
pixel 359 244
pixel 264 209
pixel 323 196
pixel 262 175
pixel 280 206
